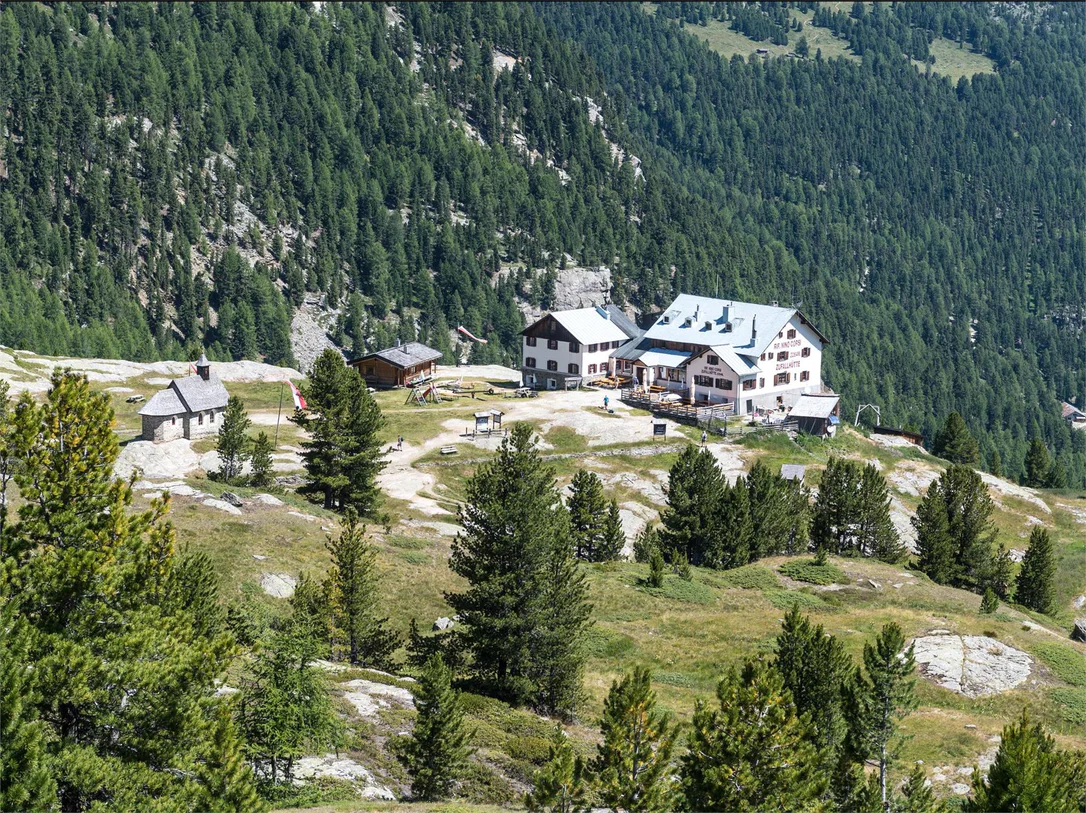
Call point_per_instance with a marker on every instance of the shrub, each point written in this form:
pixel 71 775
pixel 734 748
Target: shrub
pixel 750 577
pixel 1072 703
pixel 787 599
pixel 807 570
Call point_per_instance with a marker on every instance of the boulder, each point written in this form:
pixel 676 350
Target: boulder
pixel 278 585
pixel 444 623
pixel 232 498
pixel 972 665
pixel 1078 632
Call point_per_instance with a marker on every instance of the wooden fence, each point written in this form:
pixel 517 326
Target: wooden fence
pixel 677 410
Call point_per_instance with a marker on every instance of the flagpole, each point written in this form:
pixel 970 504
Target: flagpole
pixel 275 443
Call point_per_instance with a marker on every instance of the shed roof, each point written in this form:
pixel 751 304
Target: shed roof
pixel 198 395
pixel 404 355
pixel 163 403
pixel 793 471
pixel 1070 411
pixel 815 406
pixel 661 357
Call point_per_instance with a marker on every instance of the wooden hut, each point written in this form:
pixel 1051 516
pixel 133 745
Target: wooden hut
pixel 399 366
pixel 817 415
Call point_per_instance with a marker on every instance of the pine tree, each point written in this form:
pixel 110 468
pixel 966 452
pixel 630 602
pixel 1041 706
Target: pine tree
pixel 233 442
pixel 995 464
pixel 916 796
pixel 343 456
pixel 1035 587
pixel 935 545
pixel 690 524
pixel 955 443
pixel 879 697
pixel 814 667
pixel 755 752
pixel 657 569
pixel 100 585
pixel 613 537
pixel 353 583
pixel 646 541
pixel 876 535
pixel 1037 464
pixel 587 515
pixel 969 511
pixel 632 765
pixel 437 753
pixel 835 507
pixel 515 553
pixel 989 602
pixel 1030 773
pixel 771 511
pixel 260 460
pixel 563 784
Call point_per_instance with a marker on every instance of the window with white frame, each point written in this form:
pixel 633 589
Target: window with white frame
pixel 782 378
pixel 574 369
pixel 712 360
pixel 805 375
pixel 792 333
pixel 592 348
pixel 805 352
pixel 750 384
pixel 574 347
pixel 591 369
pixel 703 381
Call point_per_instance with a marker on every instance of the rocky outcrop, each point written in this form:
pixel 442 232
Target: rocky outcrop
pixel 972 665
pixel 1078 632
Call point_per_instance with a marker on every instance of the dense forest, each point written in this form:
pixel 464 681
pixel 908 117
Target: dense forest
pixel 176 176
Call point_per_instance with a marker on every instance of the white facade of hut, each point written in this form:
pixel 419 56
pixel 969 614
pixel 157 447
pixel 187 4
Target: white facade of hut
pixel 190 407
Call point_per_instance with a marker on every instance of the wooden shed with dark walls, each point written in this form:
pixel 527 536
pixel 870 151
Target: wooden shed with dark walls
pixel 399 366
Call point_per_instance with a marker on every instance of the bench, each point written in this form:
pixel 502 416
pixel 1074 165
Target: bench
pixel 449 450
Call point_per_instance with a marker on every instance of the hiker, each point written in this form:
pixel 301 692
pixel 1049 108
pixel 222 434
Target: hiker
pixel 703 436
pixel 606 401
pixel 399 444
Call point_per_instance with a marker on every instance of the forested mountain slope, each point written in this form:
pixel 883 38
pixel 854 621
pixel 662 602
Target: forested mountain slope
pixel 181 175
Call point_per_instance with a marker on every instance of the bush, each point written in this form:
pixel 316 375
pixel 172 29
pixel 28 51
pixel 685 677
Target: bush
pixel 749 577
pixel 807 570
pixel 1066 663
pixel 1072 703
pixel 681 590
pixel 787 599
pixel 535 750
pixel 989 603
pixel 321 790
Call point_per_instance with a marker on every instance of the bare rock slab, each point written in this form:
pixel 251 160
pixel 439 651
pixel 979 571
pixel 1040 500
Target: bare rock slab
pixel 308 768
pixel 972 665
pixel 369 697
pixel 278 585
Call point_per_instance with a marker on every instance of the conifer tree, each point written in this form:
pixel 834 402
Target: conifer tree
pixel 1030 773
pixel 354 598
pixel 437 753
pixel 343 456
pixel 657 568
pixel 771 511
pixel 233 443
pixel 935 545
pixel 614 536
pixel 633 762
pixel 916 796
pixel 878 698
pixel 1037 464
pixel 754 752
pixel 955 443
pixel 815 668
pixel 261 460
pixel 733 528
pixel 588 516
pixel 1035 587
pixel 995 464
pixel 852 512
pixel 563 784
pixel 875 532
pixel 515 553
pixel 690 522
pixel 989 602
pixel 101 585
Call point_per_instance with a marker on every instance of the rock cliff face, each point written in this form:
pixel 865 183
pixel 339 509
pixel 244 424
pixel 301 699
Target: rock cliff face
pixel 575 287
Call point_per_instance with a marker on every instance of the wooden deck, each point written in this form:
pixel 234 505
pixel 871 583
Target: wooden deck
pixel 680 411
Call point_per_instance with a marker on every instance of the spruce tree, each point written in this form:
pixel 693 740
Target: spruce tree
pixel 875 532
pixel 563 784
pixel 935 545
pixel 633 762
pixel 355 601
pixel 969 511
pixel 955 443
pixel 233 442
pixel 771 511
pixel 437 753
pixel 587 516
pixel 1037 464
pixel 657 568
pixel 753 753
pixel 815 668
pixel 613 540
pixel 260 460
pixel 878 698
pixel 690 519
pixel 1030 773
pixel 1035 587
pixel 515 553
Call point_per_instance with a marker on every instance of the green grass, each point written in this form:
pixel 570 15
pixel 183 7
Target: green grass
pixel 807 570
pixel 750 577
pixel 1068 664
pixel 787 599
pixel 954 62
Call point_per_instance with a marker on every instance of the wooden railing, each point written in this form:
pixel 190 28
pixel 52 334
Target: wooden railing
pixel 677 410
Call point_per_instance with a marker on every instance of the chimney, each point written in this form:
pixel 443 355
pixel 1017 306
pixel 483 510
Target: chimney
pixel 398 342
pixel 724 315
pixel 203 367
pixel 754 327
pixel 602 311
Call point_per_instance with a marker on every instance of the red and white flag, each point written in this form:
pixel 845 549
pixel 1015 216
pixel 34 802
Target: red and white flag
pixel 193 368
pixel 299 401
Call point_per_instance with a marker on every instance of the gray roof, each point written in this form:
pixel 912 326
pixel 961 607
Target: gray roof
pixel 590 325
pixel 814 406
pixel 633 349
pixel 405 355
pixel 624 322
pixel 199 395
pixel 793 471
pixel 163 403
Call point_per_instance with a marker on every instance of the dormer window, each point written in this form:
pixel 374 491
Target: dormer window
pixel 708 325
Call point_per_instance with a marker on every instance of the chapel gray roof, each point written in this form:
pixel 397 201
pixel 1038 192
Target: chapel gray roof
pixel 163 403
pixel 198 395
pixel 405 355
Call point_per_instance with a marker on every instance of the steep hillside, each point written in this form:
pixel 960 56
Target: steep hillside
pixel 177 176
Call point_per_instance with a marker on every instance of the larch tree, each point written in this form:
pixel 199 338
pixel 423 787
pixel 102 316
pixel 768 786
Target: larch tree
pixel 754 752
pixel 232 443
pixel 354 599
pixel 879 696
pixel 1035 587
pixel 633 762
pixel 437 753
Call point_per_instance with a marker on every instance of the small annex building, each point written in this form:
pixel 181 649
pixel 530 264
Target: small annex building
pixel 817 414
pixel 190 407
pixel 400 366
pixel 565 349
